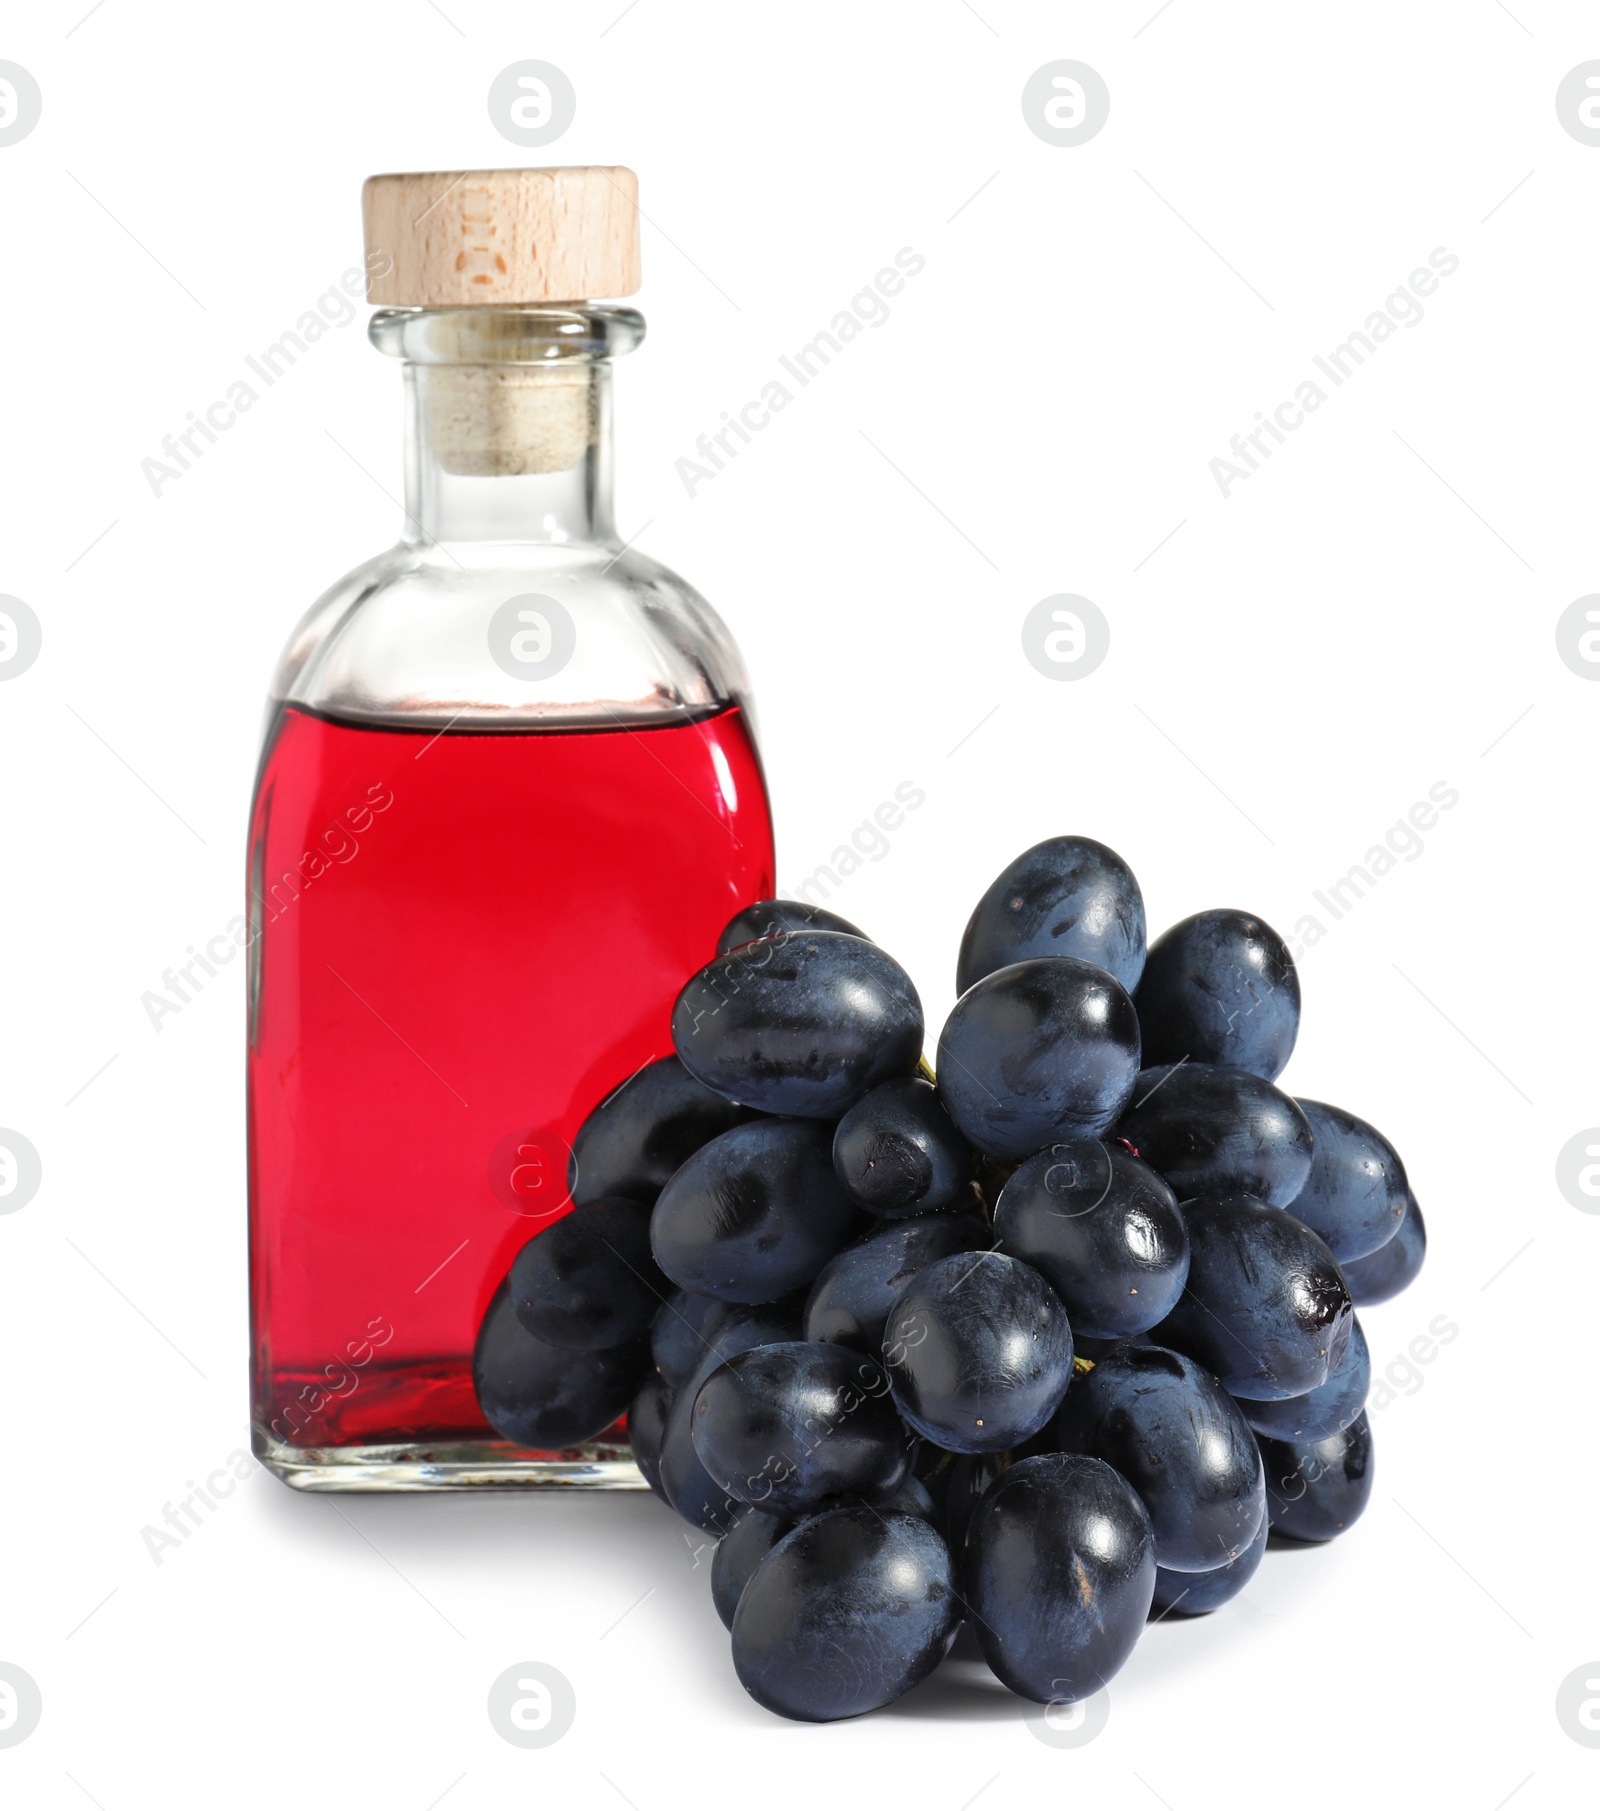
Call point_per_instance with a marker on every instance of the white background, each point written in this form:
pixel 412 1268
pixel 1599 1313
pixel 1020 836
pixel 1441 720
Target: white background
pixel 1373 612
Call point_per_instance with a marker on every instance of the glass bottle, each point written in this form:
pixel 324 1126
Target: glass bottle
pixel 508 796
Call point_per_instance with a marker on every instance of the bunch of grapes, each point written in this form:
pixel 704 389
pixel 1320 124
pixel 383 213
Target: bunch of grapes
pixel 1041 1344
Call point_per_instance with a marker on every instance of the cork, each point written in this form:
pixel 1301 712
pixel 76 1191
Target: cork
pixel 505 421
pixel 501 238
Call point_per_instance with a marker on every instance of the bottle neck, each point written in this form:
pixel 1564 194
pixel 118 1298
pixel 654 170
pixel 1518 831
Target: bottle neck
pixel 509 453
pixel 508 420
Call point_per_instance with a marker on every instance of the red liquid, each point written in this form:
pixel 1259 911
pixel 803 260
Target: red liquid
pixel 466 942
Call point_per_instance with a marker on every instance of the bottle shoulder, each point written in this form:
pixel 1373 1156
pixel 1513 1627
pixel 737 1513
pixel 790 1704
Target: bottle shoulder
pixel 513 636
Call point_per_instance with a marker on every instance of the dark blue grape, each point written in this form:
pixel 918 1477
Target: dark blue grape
pixel 1316 1489
pixel 798 1427
pixel 1214 1131
pixel 1199 1593
pixel 897 1152
pixel 1070 896
pixel 677 1343
pixel 1103 1230
pixel 736 1327
pixel 957 1490
pixel 801 1023
pixel 1394 1265
pixel 1037 1052
pixel 767 917
pixel 639 1134
pixel 848 1612
pixel 912 1498
pixel 1328 1409
pixel 978 1351
pixel 589 1280
pixel 1265 1309
pixel 850 1301
pixel 685 1483
pixel 754 1215
pixel 647 1427
pixel 750 1538
pixel 754 1533
pixel 1179 1439
pixel 1059 1569
pixel 549 1397
pixel 1355 1197
pixel 1220 987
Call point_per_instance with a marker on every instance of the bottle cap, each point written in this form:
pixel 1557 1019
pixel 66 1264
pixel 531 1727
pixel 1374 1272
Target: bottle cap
pixel 499 238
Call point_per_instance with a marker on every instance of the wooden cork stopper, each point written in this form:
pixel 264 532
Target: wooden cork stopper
pixel 504 421
pixel 500 238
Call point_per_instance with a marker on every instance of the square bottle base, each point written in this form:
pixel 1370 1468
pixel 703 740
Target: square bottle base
pixel 447 1465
